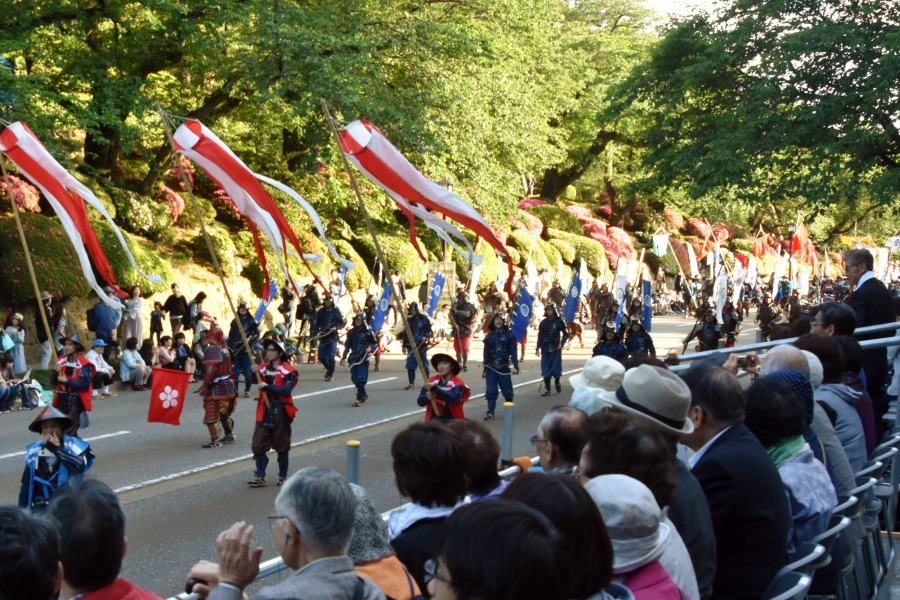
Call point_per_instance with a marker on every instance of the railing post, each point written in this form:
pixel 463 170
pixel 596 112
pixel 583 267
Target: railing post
pixel 506 442
pixel 353 461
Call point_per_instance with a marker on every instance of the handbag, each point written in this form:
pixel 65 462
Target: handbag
pixel 6 342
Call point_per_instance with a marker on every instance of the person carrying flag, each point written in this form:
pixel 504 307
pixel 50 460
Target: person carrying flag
pixel 552 334
pixel 445 391
pixel 329 321
pixel 218 389
pixel 420 326
pixel 360 345
pixel 462 317
pixel 500 363
pixel 275 412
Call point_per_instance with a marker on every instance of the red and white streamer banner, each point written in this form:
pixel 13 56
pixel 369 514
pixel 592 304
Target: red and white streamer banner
pixel 380 161
pixel 195 141
pixel 67 196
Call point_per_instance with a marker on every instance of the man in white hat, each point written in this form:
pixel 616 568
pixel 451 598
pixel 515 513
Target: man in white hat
pixel 600 374
pixel 661 400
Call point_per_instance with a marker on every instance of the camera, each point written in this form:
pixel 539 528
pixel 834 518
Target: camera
pixel 742 362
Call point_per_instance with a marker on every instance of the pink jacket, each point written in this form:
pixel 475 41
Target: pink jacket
pixel 651 582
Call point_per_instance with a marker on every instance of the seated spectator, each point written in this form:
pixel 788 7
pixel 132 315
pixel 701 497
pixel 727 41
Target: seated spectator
pixel 103 371
pixel 600 373
pixel 11 387
pixel 149 353
pixel 746 498
pixel 183 358
pixel 164 353
pixel 839 397
pixel 482 476
pixel 777 417
pixel 618 444
pixel 499 550
pixel 92 542
pixel 371 551
pixel 583 536
pixel 430 469
pixel 853 362
pixel 638 533
pixel 29 556
pixel 560 438
pixel 134 370
pixel 312 526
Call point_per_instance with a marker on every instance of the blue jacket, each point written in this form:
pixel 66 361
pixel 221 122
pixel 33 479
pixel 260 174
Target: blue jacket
pixel 500 350
pixel 107 318
pixel 552 334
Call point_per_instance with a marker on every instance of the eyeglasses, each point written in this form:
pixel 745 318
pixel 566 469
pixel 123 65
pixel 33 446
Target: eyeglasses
pixel 272 518
pixel 431 572
pixel 535 439
pixel 848 267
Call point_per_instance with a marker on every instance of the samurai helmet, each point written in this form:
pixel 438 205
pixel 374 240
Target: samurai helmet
pixel 413 308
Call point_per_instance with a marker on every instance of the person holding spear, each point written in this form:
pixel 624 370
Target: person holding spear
pixel 329 321
pixel 361 344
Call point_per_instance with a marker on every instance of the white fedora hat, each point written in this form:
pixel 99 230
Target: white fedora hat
pixel 600 373
pixel 656 395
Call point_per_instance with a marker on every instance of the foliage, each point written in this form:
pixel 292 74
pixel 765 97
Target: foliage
pixel 528 222
pixel 674 220
pixel 582 248
pixel 527 203
pixel 525 242
pixel 146 257
pixel 681 254
pixel 557 218
pixel 566 250
pixel 141 215
pixel 224 247
pixel 359 277
pixel 56 266
pixel 398 252
pixel 26 195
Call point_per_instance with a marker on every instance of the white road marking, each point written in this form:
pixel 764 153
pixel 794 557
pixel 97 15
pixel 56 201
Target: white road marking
pixel 230 461
pixel 343 387
pixel 99 437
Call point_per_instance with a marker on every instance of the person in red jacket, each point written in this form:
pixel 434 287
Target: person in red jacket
pixel 444 394
pixel 275 412
pixel 72 377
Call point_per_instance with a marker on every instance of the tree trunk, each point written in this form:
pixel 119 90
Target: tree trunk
pixel 557 180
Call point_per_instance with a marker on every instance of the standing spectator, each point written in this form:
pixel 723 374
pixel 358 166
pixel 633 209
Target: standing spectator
pixel 275 411
pixel 156 319
pixel 92 542
pixel 176 305
pixel 133 367
pixel 242 361
pixel 52 460
pixel 41 330
pixel 194 314
pixel 107 323
pixel 29 556
pixel 288 309
pixel 134 315
pixel 72 377
pixel 310 539
pixel 16 331
pixel 103 372
pixel 873 305
pixel 58 325
pixel 746 498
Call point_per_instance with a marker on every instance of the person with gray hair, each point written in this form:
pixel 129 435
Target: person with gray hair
pixel 560 438
pixel 313 524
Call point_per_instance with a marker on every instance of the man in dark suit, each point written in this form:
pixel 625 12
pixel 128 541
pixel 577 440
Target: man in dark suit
pixel 745 494
pixel 873 305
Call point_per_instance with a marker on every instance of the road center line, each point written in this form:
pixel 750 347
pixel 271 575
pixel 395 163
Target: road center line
pixel 99 437
pixel 325 436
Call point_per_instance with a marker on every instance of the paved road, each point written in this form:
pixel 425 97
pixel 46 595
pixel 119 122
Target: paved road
pixel 178 497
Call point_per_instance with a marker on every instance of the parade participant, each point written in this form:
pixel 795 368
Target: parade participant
pixel 52 460
pixel 275 412
pixel 306 312
pixel 288 309
pixel 794 308
pixel 325 330
pixel 420 325
pixel 176 305
pixel 731 323
pixel 610 345
pixel 462 317
pixel 493 301
pixel 360 345
pixel 72 377
pixel 765 317
pixel 445 390
pixel 499 354
pixel 241 358
pixel 552 334
pixel 783 293
pixel 708 333
pixel 218 390
pixel 103 371
pixel 606 319
pixel 637 341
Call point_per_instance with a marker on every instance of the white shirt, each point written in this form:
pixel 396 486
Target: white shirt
pixel 97 360
pixel 699 454
pixel 864 278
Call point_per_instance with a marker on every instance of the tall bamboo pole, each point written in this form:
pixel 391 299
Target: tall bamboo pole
pixel 212 252
pixel 395 293
pixel 37 291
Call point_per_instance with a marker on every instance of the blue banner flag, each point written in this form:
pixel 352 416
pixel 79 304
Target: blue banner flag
pixel 343 277
pixel 648 305
pixel 574 297
pixel 437 287
pixel 523 314
pixel 264 303
pixel 382 308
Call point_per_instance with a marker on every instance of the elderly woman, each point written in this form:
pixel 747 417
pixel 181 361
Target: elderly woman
pixel 778 418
